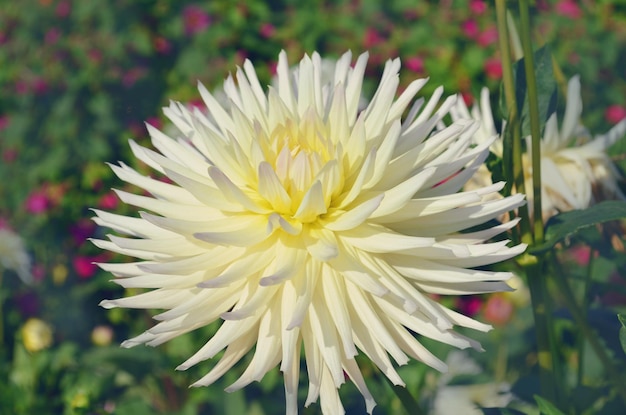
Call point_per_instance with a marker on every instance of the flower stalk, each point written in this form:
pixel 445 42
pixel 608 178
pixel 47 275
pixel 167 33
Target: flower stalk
pixel 512 135
pixel 513 157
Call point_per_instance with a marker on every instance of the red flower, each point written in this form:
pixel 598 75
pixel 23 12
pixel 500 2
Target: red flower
pixel 108 201
pixel 267 30
pixel 162 45
pixel 37 202
pixel 488 36
pixel 415 64
pixel 568 8
pixel 615 113
pixel 498 310
pixel 493 68
pixel 84 266
pixel 195 20
pixel 478 6
pixel 63 9
pixel 372 38
pixel 470 28
pixel 4 122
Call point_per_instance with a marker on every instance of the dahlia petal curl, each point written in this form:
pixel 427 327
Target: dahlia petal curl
pixel 304 224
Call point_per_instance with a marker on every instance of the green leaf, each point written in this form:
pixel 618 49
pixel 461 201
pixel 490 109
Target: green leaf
pixel 566 224
pixel 622 331
pixel 546 90
pixel 546 407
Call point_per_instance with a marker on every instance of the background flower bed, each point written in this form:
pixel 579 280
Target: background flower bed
pixel 78 79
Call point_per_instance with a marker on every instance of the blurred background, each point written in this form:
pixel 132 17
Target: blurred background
pixel 79 78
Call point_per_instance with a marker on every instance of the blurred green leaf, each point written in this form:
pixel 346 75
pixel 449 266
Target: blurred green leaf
pixel 622 331
pixel 566 224
pixel 546 89
pixel 546 407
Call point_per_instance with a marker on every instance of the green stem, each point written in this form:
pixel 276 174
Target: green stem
pixel 1 310
pixel 546 352
pixel 512 157
pixel 585 305
pixel 408 401
pixel 549 368
pixel 535 129
pixel 617 378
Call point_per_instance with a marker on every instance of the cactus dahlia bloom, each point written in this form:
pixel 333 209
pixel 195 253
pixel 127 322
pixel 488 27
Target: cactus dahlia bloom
pixel 575 169
pixel 304 225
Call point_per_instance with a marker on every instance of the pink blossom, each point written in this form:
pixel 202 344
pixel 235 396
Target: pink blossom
pixel 84 266
pixel 581 254
pixel 372 38
pixel 4 122
pixel 470 28
pixel 470 305
pixel 22 87
pixel 195 19
pixel 162 45
pixel 40 86
pixel 63 8
pixel 108 201
pixel 37 202
pixel 568 8
pixel 415 64
pixel 488 36
pixel 52 36
pixel 493 68
pixel 130 77
pixel 267 30
pixel 615 113
pixel 478 6
pixel 9 155
pixel 468 98
pixel 272 67
pixel 498 310
pixel 155 122
pixel 95 56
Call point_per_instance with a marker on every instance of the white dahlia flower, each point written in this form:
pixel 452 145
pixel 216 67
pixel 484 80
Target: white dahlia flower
pixel 575 169
pixel 306 225
pixel 13 255
pixel 467 399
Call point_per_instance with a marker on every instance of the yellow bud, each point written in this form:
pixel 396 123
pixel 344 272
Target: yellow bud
pixel 36 335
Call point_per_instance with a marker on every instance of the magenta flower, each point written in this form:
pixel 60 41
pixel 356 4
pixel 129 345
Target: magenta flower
pixel 493 68
pixel 488 36
pixel 85 266
pixel 615 113
pixel 195 19
pixel 470 28
pixel 568 8
pixel 108 201
pixel 478 6
pixel 415 64
pixel 372 38
pixel 267 30
pixel 37 202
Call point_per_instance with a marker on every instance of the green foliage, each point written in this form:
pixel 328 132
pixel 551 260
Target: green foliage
pixel 568 223
pixel 546 407
pixel 546 89
pixel 622 331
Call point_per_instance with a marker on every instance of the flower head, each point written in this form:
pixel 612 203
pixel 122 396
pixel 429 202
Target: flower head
pixel 36 335
pixel 576 171
pixel 306 224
